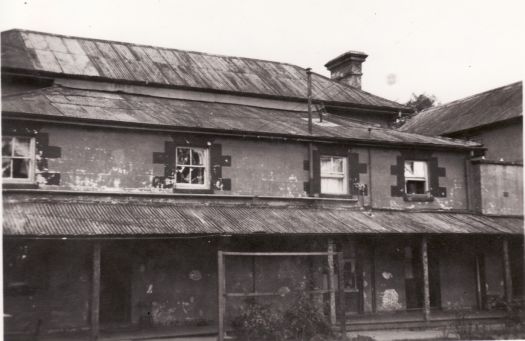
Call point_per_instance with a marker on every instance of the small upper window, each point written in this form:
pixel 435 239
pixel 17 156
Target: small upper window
pixel 18 158
pixel 416 177
pixel 334 175
pixel 192 168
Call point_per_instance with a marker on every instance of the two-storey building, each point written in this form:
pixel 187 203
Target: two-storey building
pixel 127 168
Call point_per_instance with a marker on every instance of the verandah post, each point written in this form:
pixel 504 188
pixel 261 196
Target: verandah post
pixel 221 294
pixel 426 284
pixel 508 278
pixel 331 280
pixel 95 293
pixel 341 287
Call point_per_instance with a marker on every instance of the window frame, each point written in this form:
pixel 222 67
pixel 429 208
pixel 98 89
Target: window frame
pixel 425 179
pixel 344 176
pixel 31 158
pixel 205 165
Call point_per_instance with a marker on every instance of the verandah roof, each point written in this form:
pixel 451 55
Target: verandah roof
pixel 94 217
pixel 106 108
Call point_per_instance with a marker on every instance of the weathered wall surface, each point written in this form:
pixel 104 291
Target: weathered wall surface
pixel 96 159
pixel 47 282
pixel 451 179
pixel 457 264
pixel 264 168
pixel 501 189
pixel 492 252
pixel 390 276
pixel 504 142
pixel 174 282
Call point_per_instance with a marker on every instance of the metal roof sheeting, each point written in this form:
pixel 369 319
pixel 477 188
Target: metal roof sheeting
pixel 482 109
pixel 97 59
pixel 66 218
pixel 60 102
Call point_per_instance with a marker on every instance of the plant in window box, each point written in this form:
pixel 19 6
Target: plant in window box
pixel 362 190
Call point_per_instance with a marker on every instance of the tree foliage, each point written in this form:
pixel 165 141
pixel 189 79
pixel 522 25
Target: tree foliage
pixel 418 103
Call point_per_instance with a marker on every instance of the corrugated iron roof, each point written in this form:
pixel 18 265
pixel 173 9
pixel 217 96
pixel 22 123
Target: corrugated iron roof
pixel 98 59
pixel 482 109
pixel 60 102
pixel 134 218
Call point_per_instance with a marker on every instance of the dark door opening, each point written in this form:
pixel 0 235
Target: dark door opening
pixel 414 277
pixel 115 284
pixel 434 277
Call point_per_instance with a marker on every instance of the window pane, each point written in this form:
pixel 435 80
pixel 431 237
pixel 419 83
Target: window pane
pixel 197 176
pixel 415 187
pixel 6 146
pixel 6 168
pixel 338 164
pixel 415 169
pixel 21 146
pixel 183 156
pixel 21 168
pixel 183 175
pixel 409 168
pixel 326 164
pixel 332 186
pixel 197 157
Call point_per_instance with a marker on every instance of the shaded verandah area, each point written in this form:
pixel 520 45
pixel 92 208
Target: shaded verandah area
pixel 163 289
pixel 384 261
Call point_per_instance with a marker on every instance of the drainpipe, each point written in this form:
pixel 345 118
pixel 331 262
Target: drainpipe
pixel 370 197
pixel 310 145
pixel 467 180
pixel 309 94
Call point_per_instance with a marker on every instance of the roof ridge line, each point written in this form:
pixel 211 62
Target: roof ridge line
pixel 153 46
pixel 464 99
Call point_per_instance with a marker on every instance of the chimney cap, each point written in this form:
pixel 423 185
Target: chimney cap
pixel 346 57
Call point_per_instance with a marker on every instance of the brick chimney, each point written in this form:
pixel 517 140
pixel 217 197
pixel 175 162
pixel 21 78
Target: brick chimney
pixel 347 69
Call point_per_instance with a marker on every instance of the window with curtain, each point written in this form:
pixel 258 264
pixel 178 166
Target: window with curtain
pixel 334 174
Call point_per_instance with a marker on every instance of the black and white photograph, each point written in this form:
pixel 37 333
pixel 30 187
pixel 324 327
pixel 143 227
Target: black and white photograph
pixel 335 170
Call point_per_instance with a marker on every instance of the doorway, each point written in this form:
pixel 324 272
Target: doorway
pixel 115 284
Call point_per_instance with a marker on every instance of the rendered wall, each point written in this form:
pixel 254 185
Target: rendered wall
pixel 390 276
pixel 174 282
pixel 453 181
pixel 96 159
pixel 504 142
pixel 46 281
pixel 457 264
pixel 501 189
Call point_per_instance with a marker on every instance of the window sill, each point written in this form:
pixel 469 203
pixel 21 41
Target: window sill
pixel 193 190
pixel 19 185
pixel 336 196
pixel 418 197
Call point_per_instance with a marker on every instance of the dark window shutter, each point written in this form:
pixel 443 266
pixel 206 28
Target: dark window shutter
pixel 316 181
pixel 215 163
pixel 353 172
pixel 169 170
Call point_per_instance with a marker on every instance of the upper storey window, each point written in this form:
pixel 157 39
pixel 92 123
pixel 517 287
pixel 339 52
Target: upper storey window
pixel 416 177
pixel 192 168
pixel 334 175
pixel 18 159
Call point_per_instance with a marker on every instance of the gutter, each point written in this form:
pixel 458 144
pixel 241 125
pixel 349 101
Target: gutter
pixel 225 133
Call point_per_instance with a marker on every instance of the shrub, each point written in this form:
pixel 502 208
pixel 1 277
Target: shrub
pixel 305 320
pixel 258 322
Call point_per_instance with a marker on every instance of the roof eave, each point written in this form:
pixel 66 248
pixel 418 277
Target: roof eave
pixel 237 133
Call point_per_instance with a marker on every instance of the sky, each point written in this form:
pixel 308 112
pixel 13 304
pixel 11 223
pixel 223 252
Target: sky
pixel 449 49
